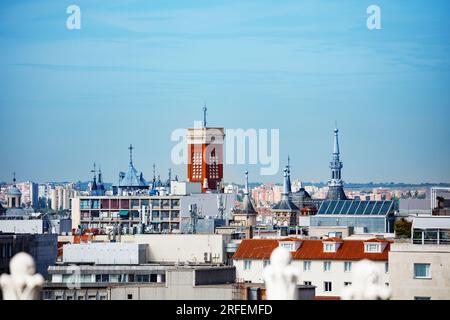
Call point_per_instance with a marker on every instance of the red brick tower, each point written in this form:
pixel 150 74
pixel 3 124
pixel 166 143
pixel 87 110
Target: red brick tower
pixel 205 151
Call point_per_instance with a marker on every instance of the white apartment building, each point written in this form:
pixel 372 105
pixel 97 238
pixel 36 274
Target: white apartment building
pixel 420 268
pixel 60 197
pixel 325 264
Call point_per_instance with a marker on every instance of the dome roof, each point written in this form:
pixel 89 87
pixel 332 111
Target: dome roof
pixel 336 193
pixel 14 191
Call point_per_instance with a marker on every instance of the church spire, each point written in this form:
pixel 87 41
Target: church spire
pixel 336 142
pixel 246 190
pixel 131 153
pixel 335 185
pixel 99 175
pixel 204 115
pixel 247 205
pixel 288 168
pixel 286 185
pixel 14 179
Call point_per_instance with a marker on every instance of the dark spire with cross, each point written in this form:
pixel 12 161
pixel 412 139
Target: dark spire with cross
pixel 131 153
pixel 14 179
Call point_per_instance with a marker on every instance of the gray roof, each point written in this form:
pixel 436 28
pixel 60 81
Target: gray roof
pixel 247 206
pixel 336 193
pixel 431 223
pixel 301 195
pixel 285 205
pixel 14 191
pixel 16 212
pixel 132 178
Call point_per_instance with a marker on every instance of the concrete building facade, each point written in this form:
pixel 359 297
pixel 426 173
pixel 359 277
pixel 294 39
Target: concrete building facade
pixel 419 272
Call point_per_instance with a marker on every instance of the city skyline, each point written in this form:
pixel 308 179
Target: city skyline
pixel 137 71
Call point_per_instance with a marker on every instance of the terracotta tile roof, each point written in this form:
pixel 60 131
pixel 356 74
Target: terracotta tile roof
pixel 352 250
pixel 339 240
pixel 376 240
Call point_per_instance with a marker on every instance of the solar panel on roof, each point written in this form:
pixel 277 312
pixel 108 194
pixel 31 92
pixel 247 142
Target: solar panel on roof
pixel 347 205
pixel 353 207
pixel 323 207
pixel 369 208
pixel 378 207
pixel 338 208
pixel 386 207
pixel 362 207
pixel 331 207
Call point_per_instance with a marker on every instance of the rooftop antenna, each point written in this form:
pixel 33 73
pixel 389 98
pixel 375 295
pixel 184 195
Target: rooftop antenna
pixel 131 153
pixel 204 115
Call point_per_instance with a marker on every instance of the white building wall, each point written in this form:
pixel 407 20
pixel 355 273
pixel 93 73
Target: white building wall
pixel 184 247
pixel 33 226
pixel 105 253
pixel 317 276
pixel 405 286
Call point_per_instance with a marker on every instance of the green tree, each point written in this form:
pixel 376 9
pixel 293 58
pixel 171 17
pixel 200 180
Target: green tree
pixel 403 228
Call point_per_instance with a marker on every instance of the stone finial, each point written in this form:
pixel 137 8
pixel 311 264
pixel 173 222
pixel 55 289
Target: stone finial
pixel 23 283
pixel 367 283
pixel 280 276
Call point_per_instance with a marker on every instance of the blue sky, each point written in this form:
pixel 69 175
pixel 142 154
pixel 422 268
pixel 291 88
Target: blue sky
pixel 139 69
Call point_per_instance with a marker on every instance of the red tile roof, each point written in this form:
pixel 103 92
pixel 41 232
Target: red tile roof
pixel 376 240
pixel 261 249
pixel 339 240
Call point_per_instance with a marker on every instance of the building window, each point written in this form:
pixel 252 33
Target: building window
pixel 347 266
pixel 247 264
pixel 289 246
pixel 386 267
pixel 306 265
pixel 102 278
pixel 372 247
pixel 327 286
pixel 422 298
pixel 266 263
pixel 307 283
pixel 329 247
pixel 327 266
pixel 347 284
pixel 130 297
pixel 422 271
